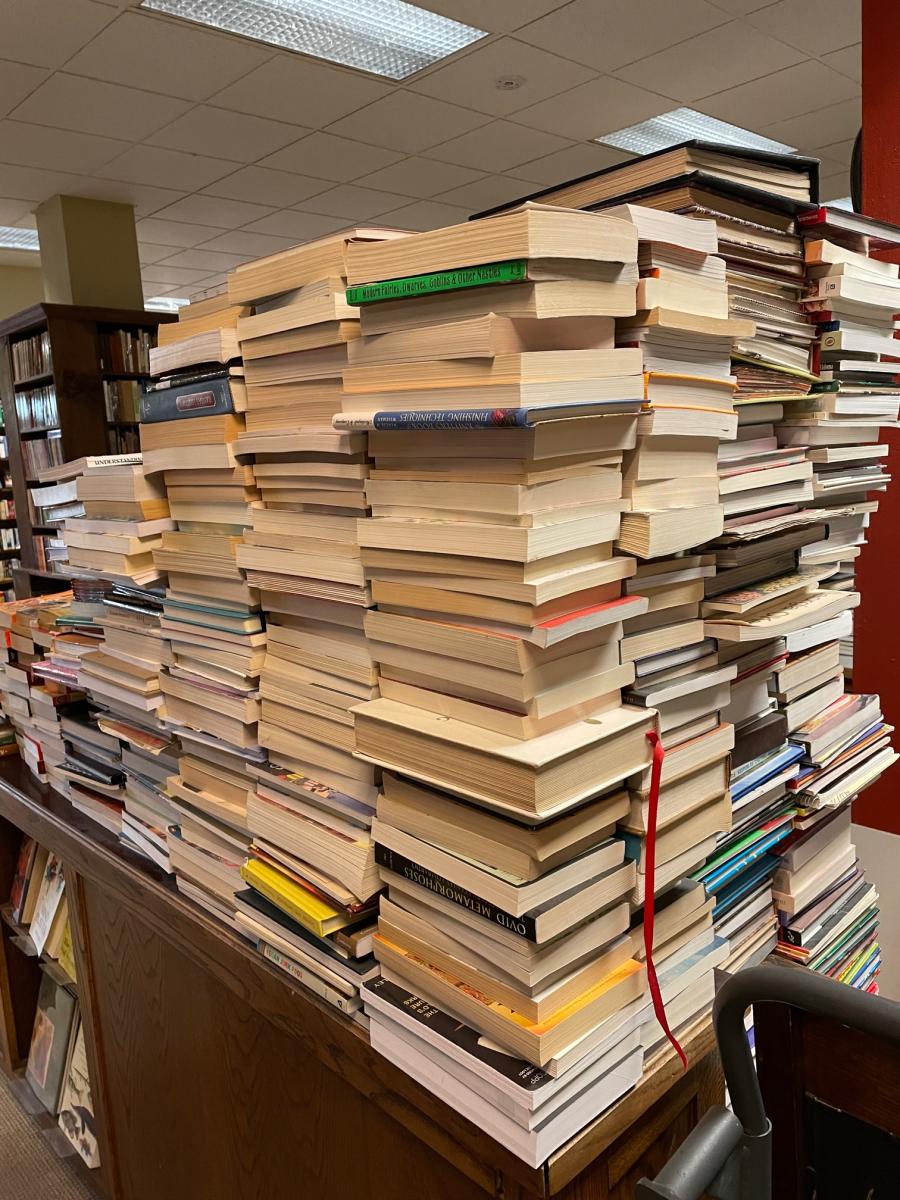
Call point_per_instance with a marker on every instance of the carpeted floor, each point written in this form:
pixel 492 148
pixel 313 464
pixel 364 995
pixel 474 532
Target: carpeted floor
pixel 29 1169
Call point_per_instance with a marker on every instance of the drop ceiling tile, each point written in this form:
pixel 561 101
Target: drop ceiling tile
pixel 146 199
pixel 426 214
pixel 214 210
pixel 206 260
pixel 297 225
pixel 28 222
pixel 838 153
pixel 834 123
pixel 47 32
pixel 725 57
pixel 834 187
pixel 174 233
pixel 173 276
pixel 848 61
pixel 485 193
pixel 474 76
pixel 260 185
pixel 295 89
pixel 169 57
pixel 12 211
pixel 150 254
pixel 324 156
pixel 596 107
pixel 223 134
pixel 352 203
pixel 740 8
pixel 31 183
pixel 788 93
pixel 814 26
pixel 407 121
pixel 16 81
pixel 239 241
pixel 419 177
pixel 499 16
pixel 572 163
pixel 610 35
pixel 89 106
pixel 28 145
pixel 499 146
pixel 167 168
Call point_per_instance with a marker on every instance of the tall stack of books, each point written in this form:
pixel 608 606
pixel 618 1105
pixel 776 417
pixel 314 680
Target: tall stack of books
pixel 501 412
pixel 791 522
pixel 310 904
pixel 213 630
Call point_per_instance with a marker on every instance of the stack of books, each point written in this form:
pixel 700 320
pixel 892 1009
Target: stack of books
pixel 125 514
pixel 685 336
pixel 212 627
pixel 828 911
pixel 311 874
pixel 35 705
pixel 303 552
pixel 497 632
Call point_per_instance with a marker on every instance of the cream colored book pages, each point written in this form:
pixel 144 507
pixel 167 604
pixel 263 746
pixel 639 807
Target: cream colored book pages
pixel 300 266
pixel 218 345
pixel 317 303
pixel 533 231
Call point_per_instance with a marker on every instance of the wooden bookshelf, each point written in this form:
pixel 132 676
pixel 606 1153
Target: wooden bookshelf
pixel 77 374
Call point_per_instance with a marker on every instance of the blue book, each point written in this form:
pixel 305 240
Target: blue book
pixel 774 765
pixel 730 896
pixel 482 418
pixel 734 866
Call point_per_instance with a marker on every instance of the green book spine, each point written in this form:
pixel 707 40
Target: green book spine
pixel 511 271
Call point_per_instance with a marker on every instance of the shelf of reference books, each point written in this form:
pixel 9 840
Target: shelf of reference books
pixel 342 1046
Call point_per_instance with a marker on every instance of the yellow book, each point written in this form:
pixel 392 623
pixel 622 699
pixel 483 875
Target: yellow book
pixel 305 908
pixel 67 953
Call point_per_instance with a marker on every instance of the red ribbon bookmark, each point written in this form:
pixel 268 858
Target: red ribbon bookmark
pixel 650 893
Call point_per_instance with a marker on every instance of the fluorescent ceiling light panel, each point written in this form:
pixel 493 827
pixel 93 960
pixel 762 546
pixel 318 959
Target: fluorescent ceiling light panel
pixel 683 125
pixel 14 238
pixel 166 303
pixel 386 37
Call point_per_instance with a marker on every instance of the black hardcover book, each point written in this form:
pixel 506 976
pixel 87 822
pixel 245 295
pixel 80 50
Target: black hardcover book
pixel 529 1077
pixel 252 899
pixel 758 737
pixel 208 397
pixel 524 926
pixel 699 179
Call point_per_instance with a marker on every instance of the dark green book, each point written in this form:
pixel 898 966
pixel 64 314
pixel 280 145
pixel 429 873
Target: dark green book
pixel 511 271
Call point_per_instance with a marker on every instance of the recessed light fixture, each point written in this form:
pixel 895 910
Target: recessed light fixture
pixel 845 202
pixel 683 125
pixel 166 303
pixel 386 37
pixel 12 237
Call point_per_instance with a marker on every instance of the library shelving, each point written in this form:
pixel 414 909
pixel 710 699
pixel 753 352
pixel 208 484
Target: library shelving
pixel 70 378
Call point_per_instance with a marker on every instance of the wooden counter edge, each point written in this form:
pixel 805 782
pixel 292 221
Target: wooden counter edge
pixel 338 1043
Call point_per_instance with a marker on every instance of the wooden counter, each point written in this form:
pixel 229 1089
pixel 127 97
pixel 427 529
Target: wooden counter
pixel 215 1076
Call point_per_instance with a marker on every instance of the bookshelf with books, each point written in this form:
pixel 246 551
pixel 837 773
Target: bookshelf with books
pixel 70 379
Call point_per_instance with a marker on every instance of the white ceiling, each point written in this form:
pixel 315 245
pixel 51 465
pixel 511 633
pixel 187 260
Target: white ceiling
pixel 230 149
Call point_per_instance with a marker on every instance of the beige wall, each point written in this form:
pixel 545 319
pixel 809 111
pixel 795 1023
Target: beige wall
pixel 20 287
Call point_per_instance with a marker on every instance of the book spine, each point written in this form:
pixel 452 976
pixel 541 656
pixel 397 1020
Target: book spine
pixel 345 1004
pixel 510 271
pixel 448 418
pixel 187 400
pixel 523 926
